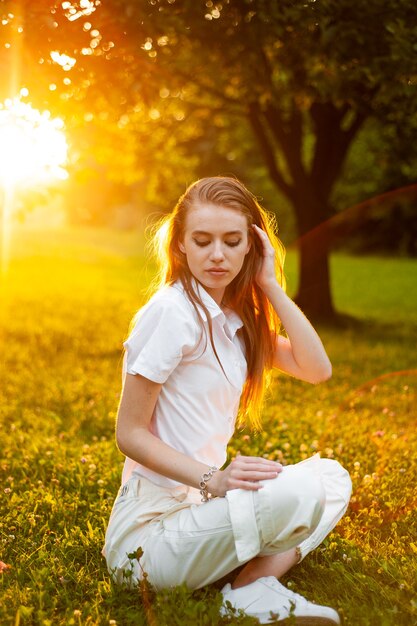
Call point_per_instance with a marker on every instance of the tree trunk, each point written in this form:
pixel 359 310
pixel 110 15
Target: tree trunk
pixel 314 289
pixel 313 295
pixel 310 187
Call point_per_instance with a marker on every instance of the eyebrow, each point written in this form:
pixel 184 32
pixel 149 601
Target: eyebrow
pixel 231 232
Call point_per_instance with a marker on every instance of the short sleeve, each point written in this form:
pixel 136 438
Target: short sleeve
pixel 163 333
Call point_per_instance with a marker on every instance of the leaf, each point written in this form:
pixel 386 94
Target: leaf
pixel 90 530
pixel 136 555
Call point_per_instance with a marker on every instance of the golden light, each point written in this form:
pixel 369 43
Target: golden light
pixel 33 152
pixel 33 147
pixel 65 61
pixel 85 7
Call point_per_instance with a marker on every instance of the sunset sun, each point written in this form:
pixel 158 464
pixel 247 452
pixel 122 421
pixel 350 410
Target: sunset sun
pixel 33 153
pixel 33 146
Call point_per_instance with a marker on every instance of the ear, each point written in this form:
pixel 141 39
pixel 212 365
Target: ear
pixel 181 247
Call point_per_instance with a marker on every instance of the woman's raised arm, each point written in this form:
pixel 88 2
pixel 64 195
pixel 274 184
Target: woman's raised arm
pixel 301 355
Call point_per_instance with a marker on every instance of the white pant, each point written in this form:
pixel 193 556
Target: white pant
pixel 200 543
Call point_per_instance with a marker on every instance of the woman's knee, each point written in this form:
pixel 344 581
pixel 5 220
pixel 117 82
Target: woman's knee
pixel 336 478
pixel 305 484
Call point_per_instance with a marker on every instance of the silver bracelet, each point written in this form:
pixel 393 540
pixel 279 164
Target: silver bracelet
pixel 203 483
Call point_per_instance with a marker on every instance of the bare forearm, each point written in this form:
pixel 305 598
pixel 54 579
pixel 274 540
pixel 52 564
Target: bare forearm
pixel 306 345
pixel 148 450
pixel 244 472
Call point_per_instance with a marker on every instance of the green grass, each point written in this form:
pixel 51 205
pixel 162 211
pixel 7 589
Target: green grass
pixel 64 314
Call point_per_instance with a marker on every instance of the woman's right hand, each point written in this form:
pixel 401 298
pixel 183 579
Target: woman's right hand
pixel 244 472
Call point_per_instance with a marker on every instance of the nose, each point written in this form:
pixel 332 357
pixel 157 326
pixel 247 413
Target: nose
pixel 217 252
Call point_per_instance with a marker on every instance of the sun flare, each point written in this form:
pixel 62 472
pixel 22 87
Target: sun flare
pixel 33 146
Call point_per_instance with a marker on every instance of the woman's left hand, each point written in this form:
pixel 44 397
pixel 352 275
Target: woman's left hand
pixel 265 276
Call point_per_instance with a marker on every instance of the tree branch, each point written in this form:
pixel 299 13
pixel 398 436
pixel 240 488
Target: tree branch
pixel 289 137
pixel 267 150
pixel 209 89
pixel 332 144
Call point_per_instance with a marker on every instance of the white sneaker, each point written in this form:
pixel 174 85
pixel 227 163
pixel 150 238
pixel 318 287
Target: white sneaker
pixel 271 602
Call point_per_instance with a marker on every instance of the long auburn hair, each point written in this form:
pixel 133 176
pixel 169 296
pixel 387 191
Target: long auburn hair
pixel 243 295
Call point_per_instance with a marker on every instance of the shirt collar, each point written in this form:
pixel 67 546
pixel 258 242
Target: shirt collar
pixel 232 319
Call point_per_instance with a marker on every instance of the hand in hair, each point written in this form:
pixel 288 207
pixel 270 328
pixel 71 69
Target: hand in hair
pixel 266 274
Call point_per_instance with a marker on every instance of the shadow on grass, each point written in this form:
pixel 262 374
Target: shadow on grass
pixel 369 327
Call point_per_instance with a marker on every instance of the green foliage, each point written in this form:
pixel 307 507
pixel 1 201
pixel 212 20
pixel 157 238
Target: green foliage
pixel 157 85
pixel 60 468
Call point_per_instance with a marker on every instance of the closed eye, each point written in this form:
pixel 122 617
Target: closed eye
pixel 203 244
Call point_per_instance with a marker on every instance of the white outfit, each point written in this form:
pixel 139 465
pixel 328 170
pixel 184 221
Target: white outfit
pixel 183 539
pixel 197 406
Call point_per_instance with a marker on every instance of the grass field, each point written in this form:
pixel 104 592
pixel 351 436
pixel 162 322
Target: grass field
pixel 64 314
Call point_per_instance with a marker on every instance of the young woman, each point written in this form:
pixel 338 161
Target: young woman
pixel 197 359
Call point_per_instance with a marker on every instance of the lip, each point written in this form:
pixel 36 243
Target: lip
pixel 217 272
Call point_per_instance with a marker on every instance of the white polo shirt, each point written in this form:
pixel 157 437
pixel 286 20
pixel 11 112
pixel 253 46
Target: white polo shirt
pixel 196 409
